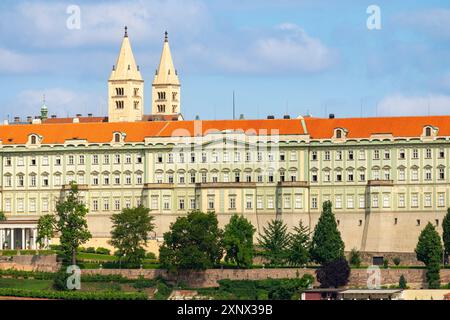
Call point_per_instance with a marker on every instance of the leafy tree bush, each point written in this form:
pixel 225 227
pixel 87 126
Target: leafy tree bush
pixel 396 261
pixel 73 295
pixel 90 250
pixel 333 274
pixel 446 233
pixel 402 282
pixel 2 217
pixel 101 250
pixel 299 246
pixel 275 241
pixel 150 255
pixel 238 241
pixel 355 258
pixel 60 280
pixel 327 244
pixel 130 231
pixel 70 222
pixel 193 242
pixel 429 250
pixel 385 263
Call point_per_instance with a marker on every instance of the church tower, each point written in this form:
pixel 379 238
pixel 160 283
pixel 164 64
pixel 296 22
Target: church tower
pixel 125 87
pixel 166 85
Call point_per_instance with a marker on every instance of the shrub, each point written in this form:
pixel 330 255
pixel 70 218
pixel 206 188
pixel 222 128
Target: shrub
pixel 101 250
pixel 90 250
pixel 150 255
pixel 396 261
pixel 355 258
pixel 74 295
pixel 385 263
pixel 402 282
pixel 333 274
pixel 55 247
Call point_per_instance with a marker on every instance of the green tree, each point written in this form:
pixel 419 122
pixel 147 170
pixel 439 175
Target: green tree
pixel 238 241
pixel 45 229
pixel 193 242
pixel 333 274
pixel 69 221
pixel 446 233
pixel 129 234
pixel 355 258
pixel 298 251
pixel 2 216
pixel 402 282
pixel 275 241
pixel 327 244
pixel 429 250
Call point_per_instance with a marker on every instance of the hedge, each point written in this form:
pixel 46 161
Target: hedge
pixel 38 275
pixel 73 295
pixel 27 252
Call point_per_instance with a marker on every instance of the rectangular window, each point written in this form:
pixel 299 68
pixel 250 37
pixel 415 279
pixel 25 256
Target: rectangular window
pixel 248 202
pixel 259 202
pixel 81 159
pixel 298 201
pixel 293 156
pixel 95 205
pixel 154 203
pixel 181 204
pixel 415 200
pixel 350 202
pixel 32 205
pixel 386 201
pixel 287 202
pixel 105 204
pixel 20 205
pixel 192 203
pixel 362 155
pixel 8 205
pixel 117 204
pixel 374 200
pixel 441 199
pixel 71 160
pixel 401 154
pixel 8 161
pixel 376 154
pixel 362 201
pixel 95 159
pixel 427 200
pixel 44 205
pixel 415 154
pixel 139 178
pixel 232 203
pixel 106 159
pixel 338 202
pixel 211 203
pixel 401 200
pixel 117 158
pixel 314 203
pixel 45 160
pixel 270 204
pixel 327 156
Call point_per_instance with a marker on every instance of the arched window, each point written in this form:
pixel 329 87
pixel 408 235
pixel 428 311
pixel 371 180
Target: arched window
pixel 428 132
pixel 33 140
pixel 338 134
pixel 117 137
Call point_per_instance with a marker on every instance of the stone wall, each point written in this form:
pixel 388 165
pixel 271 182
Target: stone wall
pixel 209 278
pixel 48 263
pixel 406 258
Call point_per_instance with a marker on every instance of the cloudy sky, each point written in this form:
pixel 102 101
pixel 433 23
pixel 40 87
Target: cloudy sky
pixel 285 56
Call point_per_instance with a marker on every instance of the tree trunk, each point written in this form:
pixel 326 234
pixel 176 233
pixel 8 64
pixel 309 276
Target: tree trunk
pixel 74 256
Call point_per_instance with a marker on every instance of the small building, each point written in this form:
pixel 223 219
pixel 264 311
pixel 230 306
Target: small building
pixel 321 294
pixel 371 294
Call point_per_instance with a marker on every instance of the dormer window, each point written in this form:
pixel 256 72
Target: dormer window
pixel 117 137
pixel 338 134
pixel 33 140
pixel 428 132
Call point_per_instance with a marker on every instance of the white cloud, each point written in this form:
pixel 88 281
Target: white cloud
pixel 401 105
pixel 44 25
pixel 432 21
pixel 59 101
pixel 14 62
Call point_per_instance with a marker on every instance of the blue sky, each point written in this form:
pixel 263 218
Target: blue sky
pixel 295 57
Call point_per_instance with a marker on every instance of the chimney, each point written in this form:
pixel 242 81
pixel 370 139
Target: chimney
pixel 241 117
pixel 286 116
pixel 16 119
pixel 78 115
pixel 331 116
pixel 29 119
pixel 53 116
pixel 270 117
pixel 90 115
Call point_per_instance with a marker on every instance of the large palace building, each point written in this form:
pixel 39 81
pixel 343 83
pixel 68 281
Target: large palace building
pixel 386 177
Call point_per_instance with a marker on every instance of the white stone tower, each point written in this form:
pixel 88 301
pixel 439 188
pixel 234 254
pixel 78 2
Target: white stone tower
pixel 166 85
pixel 125 87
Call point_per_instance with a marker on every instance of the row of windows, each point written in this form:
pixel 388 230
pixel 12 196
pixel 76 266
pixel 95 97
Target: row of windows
pixel 378 154
pixel 412 200
pixel 211 202
pixel 95 179
pixel 377 174
pixel 72 160
pixel 224 156
pixel 236 176
pixel 104 204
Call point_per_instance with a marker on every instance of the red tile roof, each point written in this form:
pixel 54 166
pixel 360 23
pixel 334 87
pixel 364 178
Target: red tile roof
pixel 80 119
pixel 137 131
pixel 323 128
pixel 318 128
